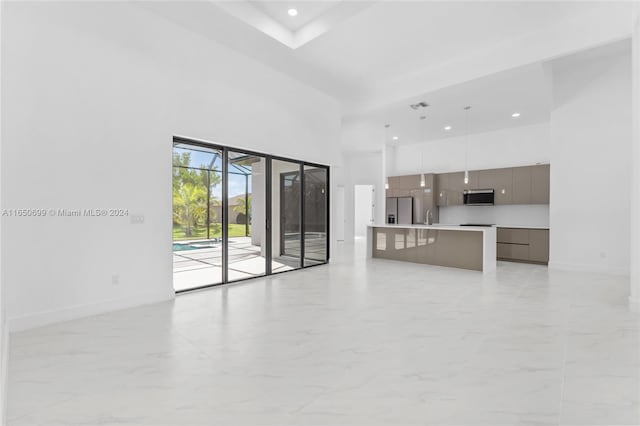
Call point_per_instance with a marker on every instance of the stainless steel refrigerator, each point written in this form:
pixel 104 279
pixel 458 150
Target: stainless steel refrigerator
pixel 399 210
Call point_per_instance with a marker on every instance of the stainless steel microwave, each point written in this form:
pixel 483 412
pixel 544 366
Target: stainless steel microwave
pixel 478 197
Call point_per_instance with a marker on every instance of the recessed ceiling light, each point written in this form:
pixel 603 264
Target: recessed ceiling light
pixel 447 127
pixel 515 115
pixel 395 138
pixel 292 12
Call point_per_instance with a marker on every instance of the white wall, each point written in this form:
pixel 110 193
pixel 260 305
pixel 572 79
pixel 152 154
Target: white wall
pixel 4 332
pixel 515 146
pixel 509 215
pixel 363 209
pixel 92 94
pixel 591 166
pixel 363 168
pixel 635 158
pixel 338 208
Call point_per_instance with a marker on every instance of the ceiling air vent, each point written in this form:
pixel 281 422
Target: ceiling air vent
pixel 419 105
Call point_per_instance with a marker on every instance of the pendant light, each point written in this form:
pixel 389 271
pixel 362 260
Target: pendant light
pixel 423 180
pixel 466 145
pixel 386 138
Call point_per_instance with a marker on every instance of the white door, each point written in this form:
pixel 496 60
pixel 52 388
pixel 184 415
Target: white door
pixel 339 216
pixel 363 211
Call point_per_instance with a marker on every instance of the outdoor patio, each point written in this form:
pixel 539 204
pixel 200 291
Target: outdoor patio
pixel 202 264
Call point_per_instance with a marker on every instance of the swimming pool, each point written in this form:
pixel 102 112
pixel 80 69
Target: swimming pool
pixel 195 245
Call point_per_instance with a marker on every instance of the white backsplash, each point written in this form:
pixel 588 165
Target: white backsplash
pixel 508 215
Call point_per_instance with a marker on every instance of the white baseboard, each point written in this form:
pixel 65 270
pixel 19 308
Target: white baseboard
pixel 598 269
pixel 40 319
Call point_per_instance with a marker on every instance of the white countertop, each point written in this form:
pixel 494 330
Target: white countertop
pixel 522 226
pixel 456 227
pixel 436 226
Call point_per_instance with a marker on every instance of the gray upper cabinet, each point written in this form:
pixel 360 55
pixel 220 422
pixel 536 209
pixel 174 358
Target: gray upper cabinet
pixel 404 182
pixel 522 185
pixel 500 180
pixel 512 185
pixel 459 184
pixel 531 184
pixel 442 183
pixel 424 198
pixel 454 191
pixel 540 184
pixel 401 186
pixel 474 180
pixel 456 181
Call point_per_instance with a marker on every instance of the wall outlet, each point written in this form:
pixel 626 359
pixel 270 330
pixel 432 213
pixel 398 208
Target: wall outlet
pixel 137 219
pixel 115 279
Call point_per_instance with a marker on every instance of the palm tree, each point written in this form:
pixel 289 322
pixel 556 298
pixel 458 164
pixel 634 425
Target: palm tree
pixel 189 206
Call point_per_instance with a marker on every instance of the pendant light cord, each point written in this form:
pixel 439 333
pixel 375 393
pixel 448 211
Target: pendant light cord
pixel 466 144
pixel 386 139
pixel 422 118
pixel 466 138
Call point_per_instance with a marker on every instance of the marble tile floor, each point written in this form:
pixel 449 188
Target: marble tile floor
pixel 357 342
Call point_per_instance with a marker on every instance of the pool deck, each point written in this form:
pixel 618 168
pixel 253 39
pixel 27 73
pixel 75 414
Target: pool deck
pixel 203 266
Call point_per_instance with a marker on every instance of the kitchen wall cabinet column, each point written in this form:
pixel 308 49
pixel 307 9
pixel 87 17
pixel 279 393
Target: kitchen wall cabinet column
pixel 442 183
pixel 540 184
pixel 522 185
pixel 635 163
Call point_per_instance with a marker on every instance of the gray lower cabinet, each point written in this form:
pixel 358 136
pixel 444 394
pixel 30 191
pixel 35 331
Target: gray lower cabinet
pixel 539 245
pixel 513 235
pixel 523 245
pixel 510 251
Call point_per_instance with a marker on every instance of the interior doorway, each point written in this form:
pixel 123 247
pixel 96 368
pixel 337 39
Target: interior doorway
pixel 363 209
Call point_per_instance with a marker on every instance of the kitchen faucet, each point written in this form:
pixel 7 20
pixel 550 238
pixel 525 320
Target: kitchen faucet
pixel 429 218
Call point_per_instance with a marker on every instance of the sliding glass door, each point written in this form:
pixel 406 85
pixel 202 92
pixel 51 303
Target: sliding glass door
pixel 197 216
pixel 315 214
pixel 239 214
pixel 287 215
pixel 246 231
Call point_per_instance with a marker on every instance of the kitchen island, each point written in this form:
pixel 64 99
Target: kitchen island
pixel 466 247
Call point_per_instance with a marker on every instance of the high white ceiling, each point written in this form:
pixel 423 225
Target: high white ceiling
pixel 376 57
pixel 313 18
pixel 391 39
pixel 368 53
pixel 307 11
pixel 493 99
pixel 525 90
